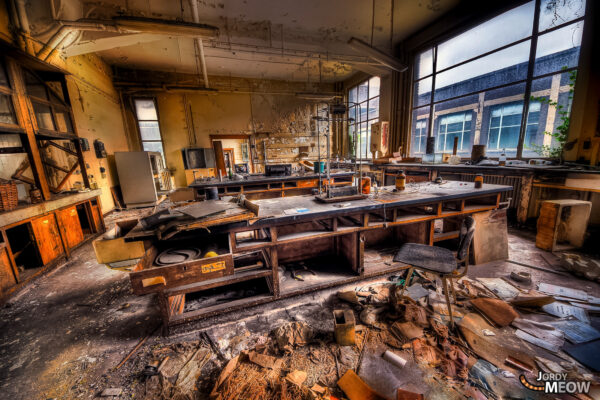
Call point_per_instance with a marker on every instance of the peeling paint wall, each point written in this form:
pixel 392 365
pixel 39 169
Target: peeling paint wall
pixel 97 112
pixel 282 121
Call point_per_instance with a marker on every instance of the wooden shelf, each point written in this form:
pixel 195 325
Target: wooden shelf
pixel 219 308
pixel 213 283
pixel 438 237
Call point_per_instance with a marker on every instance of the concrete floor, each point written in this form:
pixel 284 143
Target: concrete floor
pixel 63 335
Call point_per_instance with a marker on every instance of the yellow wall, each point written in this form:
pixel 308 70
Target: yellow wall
pixel 97 112
pixel 279 118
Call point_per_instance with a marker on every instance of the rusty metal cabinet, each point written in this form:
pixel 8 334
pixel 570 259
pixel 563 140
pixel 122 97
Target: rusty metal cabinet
pixel 47 237
pixel 70 226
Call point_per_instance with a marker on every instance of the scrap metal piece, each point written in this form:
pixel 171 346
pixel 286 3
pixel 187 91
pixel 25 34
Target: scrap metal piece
pixel 344 327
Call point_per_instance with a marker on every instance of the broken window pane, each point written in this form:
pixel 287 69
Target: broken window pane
pixel 557 12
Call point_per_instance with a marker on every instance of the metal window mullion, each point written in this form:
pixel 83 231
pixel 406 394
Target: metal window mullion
pixel 530 66
pixel 430 130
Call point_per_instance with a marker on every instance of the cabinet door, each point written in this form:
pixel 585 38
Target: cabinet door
pixel 97 216
pixel 47 237
pixel 7 276
pixel 70 226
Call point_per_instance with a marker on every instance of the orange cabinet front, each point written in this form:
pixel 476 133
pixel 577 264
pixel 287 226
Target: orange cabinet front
pixel 47 237
pixel 70 226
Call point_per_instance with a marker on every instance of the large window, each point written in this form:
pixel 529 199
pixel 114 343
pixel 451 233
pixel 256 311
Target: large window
pixel 480 86
pixel 363 108
pixel 147 117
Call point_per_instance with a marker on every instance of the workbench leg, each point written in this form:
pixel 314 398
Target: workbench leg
pixel 275 269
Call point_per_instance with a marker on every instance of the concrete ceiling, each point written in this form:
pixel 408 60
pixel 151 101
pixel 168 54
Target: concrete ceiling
pixel 296 40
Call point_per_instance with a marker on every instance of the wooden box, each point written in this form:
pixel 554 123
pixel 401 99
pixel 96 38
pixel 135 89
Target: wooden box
pixel 147 277
pixel 562 224
pixel 112 247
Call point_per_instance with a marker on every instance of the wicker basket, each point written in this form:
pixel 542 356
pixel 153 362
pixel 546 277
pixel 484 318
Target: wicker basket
pixel 8 195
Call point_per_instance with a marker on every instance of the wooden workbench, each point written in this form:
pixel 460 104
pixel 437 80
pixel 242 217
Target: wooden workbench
pixel 257 186
pixel 341 243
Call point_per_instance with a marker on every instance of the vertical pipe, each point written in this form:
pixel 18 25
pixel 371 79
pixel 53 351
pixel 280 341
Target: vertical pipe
pixel 198 41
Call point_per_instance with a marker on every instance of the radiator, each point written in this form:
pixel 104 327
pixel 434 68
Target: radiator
pixel 514 181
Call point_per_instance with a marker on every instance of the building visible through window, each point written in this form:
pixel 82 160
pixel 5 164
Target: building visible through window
pixel 363 108
pixel 474 85
pixel 147 117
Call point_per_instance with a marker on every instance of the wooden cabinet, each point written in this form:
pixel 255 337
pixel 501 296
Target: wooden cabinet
pixel 47 237
pixel 97 217
pixel 7 276
pixel 69 223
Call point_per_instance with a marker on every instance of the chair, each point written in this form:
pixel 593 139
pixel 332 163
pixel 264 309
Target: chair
pixel 439 260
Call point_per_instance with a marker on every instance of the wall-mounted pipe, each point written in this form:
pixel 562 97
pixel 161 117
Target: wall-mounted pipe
pixel 196 17
pixel 69 27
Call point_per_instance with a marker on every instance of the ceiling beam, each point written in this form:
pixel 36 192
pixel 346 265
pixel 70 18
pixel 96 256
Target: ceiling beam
pixel 109 43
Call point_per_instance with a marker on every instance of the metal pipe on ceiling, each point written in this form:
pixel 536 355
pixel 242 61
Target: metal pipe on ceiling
pixel 198 41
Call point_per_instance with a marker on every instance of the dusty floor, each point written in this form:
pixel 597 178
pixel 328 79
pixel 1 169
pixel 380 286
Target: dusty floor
pixel 63 336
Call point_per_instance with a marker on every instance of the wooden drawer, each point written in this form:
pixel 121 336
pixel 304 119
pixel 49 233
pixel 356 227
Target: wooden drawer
pixel 148 277
pixel 47 237
pixel 112 247
pixel 69 223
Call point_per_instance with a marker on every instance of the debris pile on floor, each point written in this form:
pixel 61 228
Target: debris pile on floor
pixel 383 343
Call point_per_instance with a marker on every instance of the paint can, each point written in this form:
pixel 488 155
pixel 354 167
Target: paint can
pixel 211 193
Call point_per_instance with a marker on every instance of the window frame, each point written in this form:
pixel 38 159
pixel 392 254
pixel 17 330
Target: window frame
pixel 157 120
pixel 357 122
pixel 59 105
pixel 530 76
pixel 8 92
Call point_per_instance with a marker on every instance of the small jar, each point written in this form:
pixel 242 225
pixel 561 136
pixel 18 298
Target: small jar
pixel 478 181
pixel 366 185
pixel 35 195
pixel 400 180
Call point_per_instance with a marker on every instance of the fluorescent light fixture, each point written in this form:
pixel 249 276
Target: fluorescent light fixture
pixel 317 96
pixel 166 27
pixel 377 55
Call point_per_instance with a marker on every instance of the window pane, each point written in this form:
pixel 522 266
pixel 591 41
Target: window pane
pixel 419 131
pixel 374 84
pixel 362 133
pixel 43 115
pixel 145 110
pixel 352 113
pixel 153 146
pixel 499 31
pixel 454 126
pixel 374 108
pixel 558 49
pixel 3 76
pixel 149 130
pixel 363 90
pixel 34 86
pixel 7 114
pixel 63 121
pixel 362 112
pixel 558 12
pixel 499 68
pixel 544 117
pixel 424 64
pixel 352 96
pixel 352 143
pixel 422 92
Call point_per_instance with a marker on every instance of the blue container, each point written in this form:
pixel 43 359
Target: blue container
pixel 319 165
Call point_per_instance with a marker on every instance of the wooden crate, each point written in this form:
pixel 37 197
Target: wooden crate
pixel 562 224
pixel 112 247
